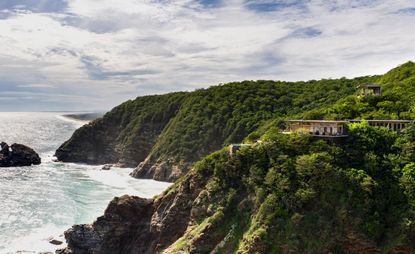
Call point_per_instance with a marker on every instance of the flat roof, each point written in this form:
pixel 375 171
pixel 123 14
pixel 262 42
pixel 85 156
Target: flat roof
pixel 318 121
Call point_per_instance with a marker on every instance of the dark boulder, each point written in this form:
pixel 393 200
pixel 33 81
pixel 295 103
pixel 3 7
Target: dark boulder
pixel 17 155
pixel 126 222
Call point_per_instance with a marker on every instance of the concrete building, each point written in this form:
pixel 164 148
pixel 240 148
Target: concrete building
pixel 368 90
pixel 319 127
pixel 395 125
pixel 333 129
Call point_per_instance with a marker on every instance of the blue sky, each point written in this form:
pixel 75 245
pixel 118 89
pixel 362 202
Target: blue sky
pixel 94 54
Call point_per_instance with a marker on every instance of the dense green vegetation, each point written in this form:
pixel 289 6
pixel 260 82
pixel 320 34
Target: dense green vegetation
pixel 181 128
pixel 217 116
pixel 297 193
pixel 396 102
pixel 176 130
pixel 290 193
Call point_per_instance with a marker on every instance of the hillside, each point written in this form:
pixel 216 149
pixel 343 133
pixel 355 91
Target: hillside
pixel 288 194
pixel 164 135
pixel 396 101
pixel 125 135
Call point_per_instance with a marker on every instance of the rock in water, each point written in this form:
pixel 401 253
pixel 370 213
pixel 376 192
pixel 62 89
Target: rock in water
pixel 17 155
pixel 55 242
pixel 107 167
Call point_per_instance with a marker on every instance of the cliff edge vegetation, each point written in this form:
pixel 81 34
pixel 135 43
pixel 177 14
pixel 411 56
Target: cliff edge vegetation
pixel 288 194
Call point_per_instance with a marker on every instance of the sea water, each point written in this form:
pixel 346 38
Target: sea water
pixel 40 202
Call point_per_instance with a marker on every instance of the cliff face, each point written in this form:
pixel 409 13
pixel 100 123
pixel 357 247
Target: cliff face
pixel 125 135
pixel 289 194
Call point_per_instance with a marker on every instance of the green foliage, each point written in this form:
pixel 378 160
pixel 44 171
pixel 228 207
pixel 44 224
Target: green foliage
pixel 288 193
pixel 396 102
pixel 214 117
pixel 183 127
pixel 307 196
pixel 408 182
pixel 399 74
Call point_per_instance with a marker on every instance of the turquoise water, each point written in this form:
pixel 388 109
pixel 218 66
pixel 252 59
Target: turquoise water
pixel 42 201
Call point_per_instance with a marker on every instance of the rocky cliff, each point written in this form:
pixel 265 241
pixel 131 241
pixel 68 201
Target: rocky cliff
pixel 136 225
pixel 288 194
pixel 125 135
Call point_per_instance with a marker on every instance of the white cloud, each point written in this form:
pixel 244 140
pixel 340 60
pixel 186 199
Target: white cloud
pixel 113 50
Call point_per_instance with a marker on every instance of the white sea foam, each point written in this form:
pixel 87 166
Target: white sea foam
pixel 37 240
pixel 119 179
pixel 43 201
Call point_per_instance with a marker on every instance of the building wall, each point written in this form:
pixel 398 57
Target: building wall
pixel 320 128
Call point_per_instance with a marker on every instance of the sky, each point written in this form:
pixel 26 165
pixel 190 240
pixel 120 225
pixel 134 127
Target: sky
pixel 94 54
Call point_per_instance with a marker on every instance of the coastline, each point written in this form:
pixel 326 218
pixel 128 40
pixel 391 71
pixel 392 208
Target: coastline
pixel 52 184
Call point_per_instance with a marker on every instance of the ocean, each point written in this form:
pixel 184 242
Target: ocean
pixel 40 202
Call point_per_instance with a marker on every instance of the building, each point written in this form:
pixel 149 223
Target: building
pixel 319 128
pixel 395 125
pixel 333 129
pixel 368 90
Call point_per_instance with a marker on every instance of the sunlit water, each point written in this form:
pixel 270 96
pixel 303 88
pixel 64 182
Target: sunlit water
pixel 42 201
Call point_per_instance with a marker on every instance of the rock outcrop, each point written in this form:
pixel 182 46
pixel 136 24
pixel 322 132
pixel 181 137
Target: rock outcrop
pixel 17 155
pixel 133 225
pixel 161 170
pixel 125 135
pixel 125 222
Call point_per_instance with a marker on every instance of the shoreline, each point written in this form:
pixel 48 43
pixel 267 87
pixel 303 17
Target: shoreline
pixel 116 178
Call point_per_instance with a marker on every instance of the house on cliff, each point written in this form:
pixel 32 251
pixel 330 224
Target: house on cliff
pixel 370 90
pixel 329 130
pixel 338 129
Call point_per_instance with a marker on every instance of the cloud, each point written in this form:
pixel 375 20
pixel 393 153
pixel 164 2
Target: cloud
pixel 79 54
